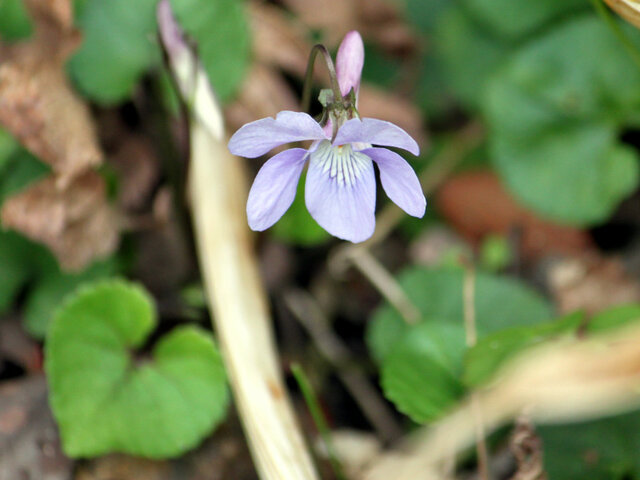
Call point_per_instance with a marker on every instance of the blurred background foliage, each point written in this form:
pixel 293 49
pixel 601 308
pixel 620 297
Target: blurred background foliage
pixel 527 113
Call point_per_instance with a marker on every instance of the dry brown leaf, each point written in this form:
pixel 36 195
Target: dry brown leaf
pixel 74 221
pixel 37 104
pixel 591 283
pixel 278 40
pixel 526 446
pixel 377 20
pixel 476 204
pixel 263 94
pixel 138 171
pixel 67 211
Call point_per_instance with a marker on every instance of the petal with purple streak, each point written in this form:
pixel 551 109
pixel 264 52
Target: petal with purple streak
pixel 340 192
pixel 349 62
pixel 399 180
pixel 257 138
pixel 375 132
pixel 274 188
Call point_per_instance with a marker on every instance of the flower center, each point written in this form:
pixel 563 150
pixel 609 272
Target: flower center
pixel 341 163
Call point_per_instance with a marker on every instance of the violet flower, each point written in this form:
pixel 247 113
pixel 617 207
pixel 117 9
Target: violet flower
pixel 340 190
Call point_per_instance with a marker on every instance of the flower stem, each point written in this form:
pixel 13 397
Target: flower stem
pixel 308 77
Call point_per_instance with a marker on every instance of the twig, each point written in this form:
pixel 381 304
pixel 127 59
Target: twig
pixel 386 285
pixel 216 187
pixel 471 336
pixel 313 319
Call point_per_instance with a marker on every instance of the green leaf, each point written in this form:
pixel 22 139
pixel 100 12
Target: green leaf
pixel 52 286
pixel 484 359
pixel 222 34
pixel 467 55
pixel 421 373
pixel 500 302
pixel 15 23
pixel 555 116
pixel 14 258
pixel 613 318
pixel 297 226
pixel 20 170
pixel 120 44
pixel 605 449
pixel 7 147
pixel 517 19
pixel 105 400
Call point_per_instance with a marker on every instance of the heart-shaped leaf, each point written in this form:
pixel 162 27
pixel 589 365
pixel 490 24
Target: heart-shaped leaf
pixel 516 19
pixel 119 44
pixel 556 116
pixel 106 400
pixel 421 375
pixel 500 302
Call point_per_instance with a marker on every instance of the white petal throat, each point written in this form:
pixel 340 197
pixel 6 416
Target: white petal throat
pixel 340 163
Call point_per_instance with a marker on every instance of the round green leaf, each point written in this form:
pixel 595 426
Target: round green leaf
pixel 221 32
pixel 516 19
pixel 421 374
pixel 120 44
pixel 52 286
pixel 106 400
pixel 500 302
pixel 15 23
pixel 467 54
pixel 555 114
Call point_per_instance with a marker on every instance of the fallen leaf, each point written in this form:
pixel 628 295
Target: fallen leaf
pixel 379 21
pixel 277 39
pixel 591 283
pixel 263 94
pixel 477 204
pixel 75 221
pixel 37 103
pixel 138 171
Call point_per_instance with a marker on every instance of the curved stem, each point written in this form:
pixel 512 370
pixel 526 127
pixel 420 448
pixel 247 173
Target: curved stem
pixel 308 79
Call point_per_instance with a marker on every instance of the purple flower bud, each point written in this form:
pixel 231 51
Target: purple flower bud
pixel 349 62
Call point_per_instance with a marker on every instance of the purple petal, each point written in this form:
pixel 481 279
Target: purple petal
pixel 257 138
pixel 399 181
pixel 376 132
pixel 274 188
pixel 342 199
pixel 349 62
